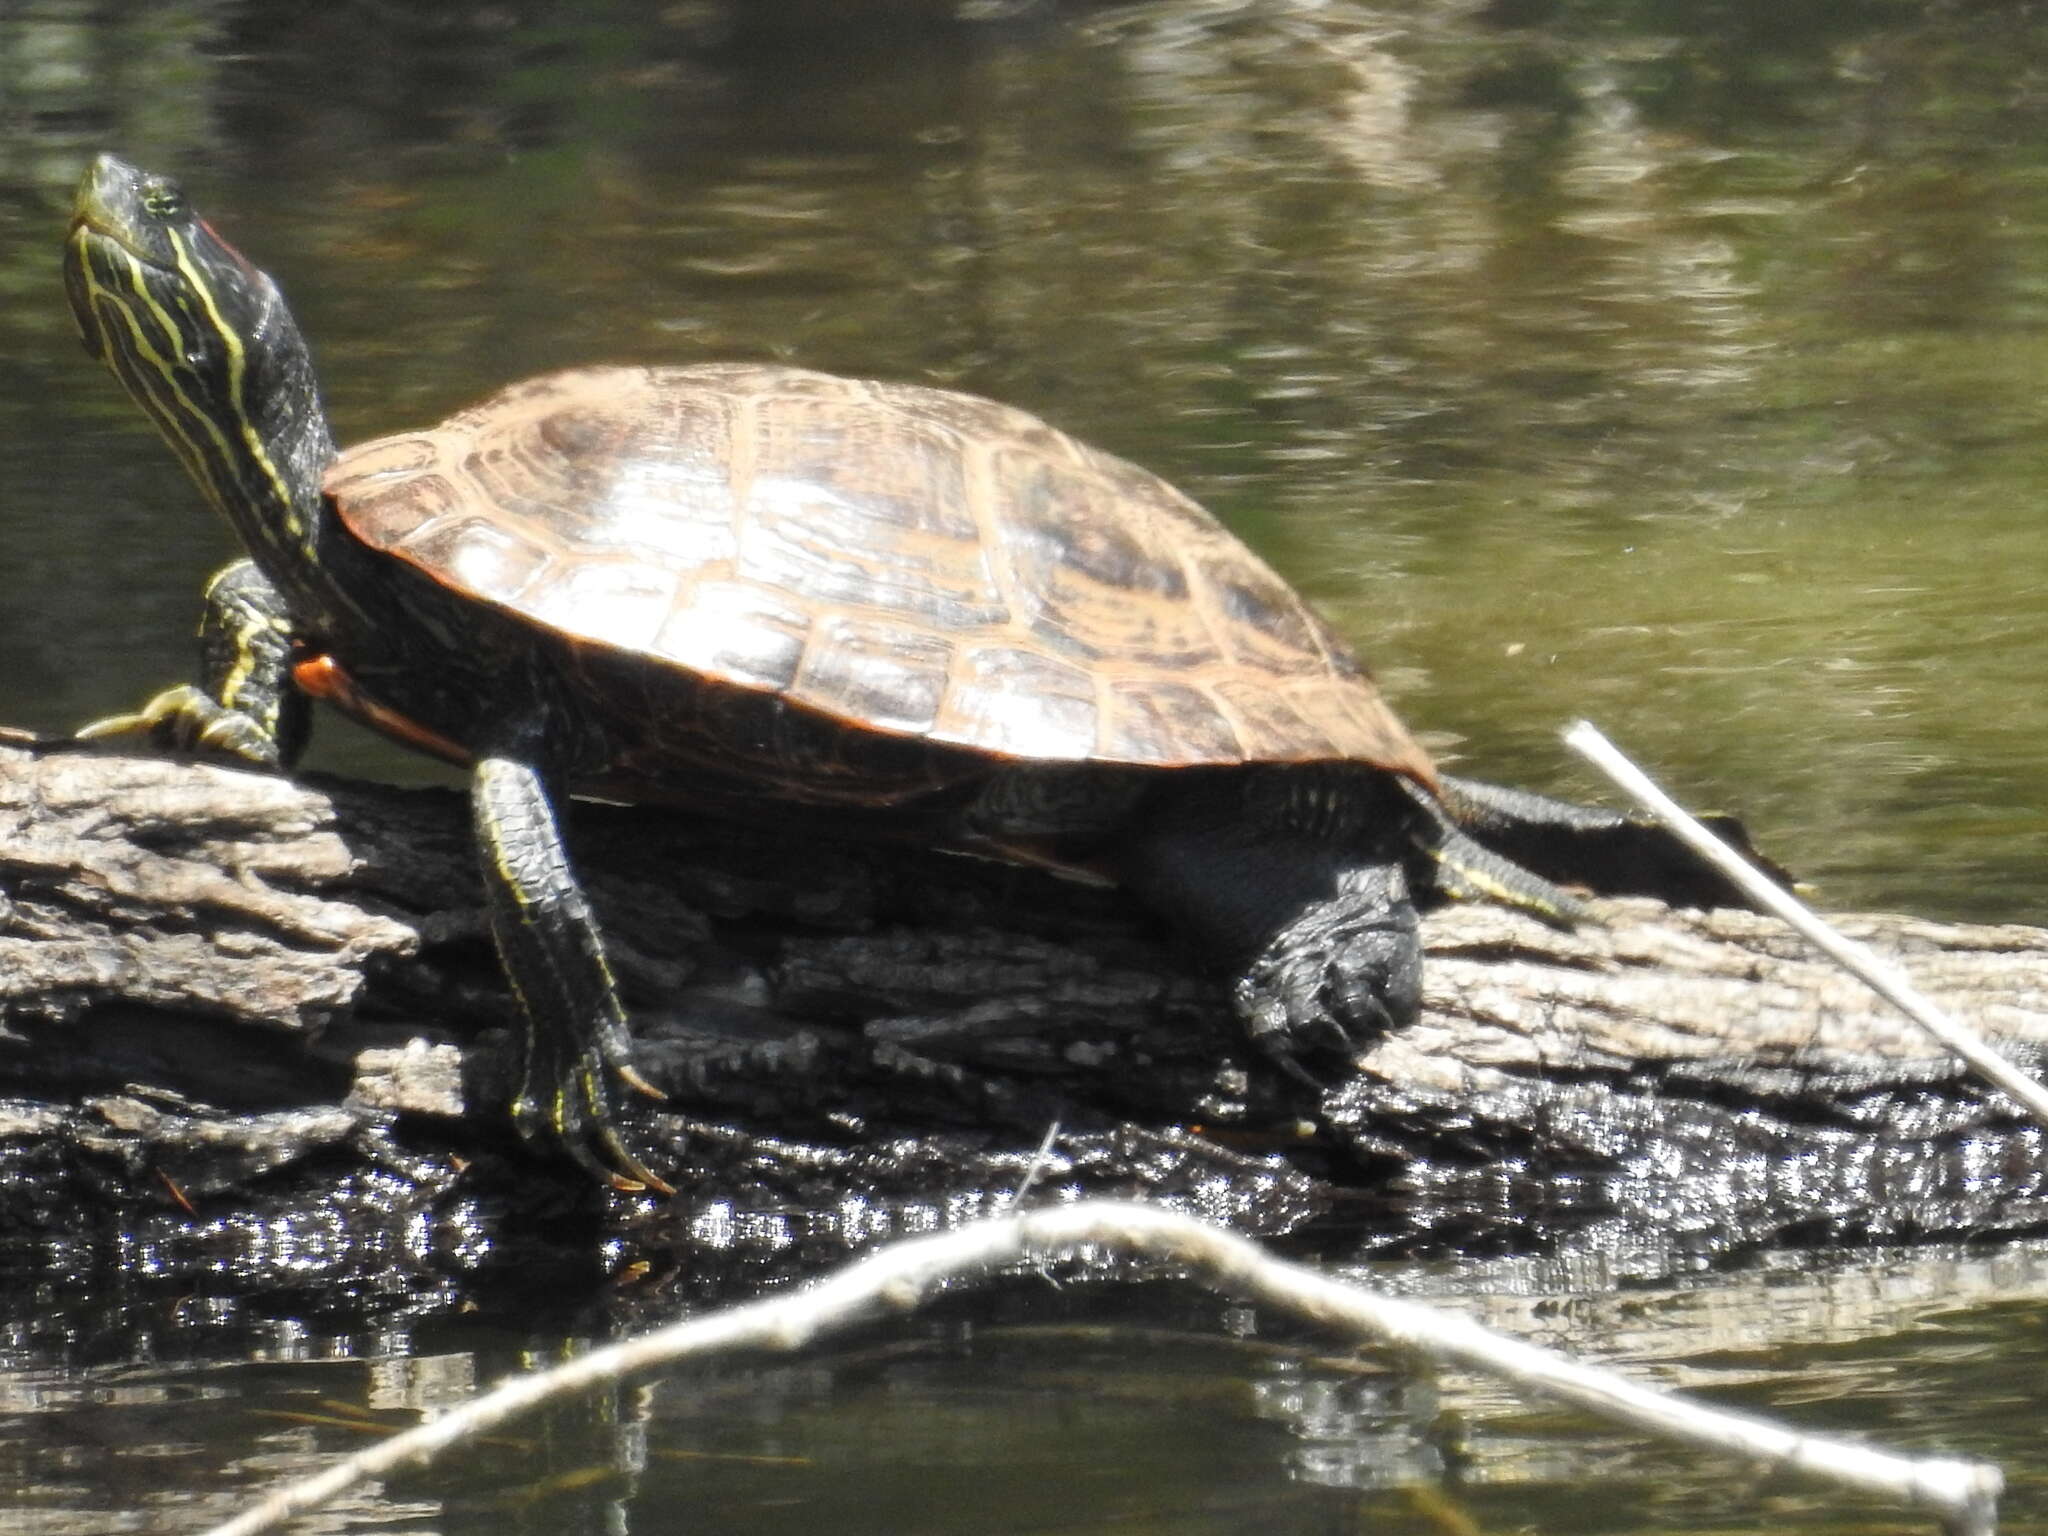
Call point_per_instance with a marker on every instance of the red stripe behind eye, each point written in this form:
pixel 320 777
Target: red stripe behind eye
pixel 214 235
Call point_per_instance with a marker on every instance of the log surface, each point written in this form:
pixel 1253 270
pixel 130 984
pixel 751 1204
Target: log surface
pixel 236 1005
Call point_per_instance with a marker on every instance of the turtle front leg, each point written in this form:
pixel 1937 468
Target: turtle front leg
pixel 244 706
pixel 575 1037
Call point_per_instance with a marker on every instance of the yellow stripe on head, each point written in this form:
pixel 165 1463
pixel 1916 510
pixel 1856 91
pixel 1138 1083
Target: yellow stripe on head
pixel 238 377
pixel 144 341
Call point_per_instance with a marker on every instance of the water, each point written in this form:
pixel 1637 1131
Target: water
pixel 1028 1411
pixel 1676 366
pixel 1678 372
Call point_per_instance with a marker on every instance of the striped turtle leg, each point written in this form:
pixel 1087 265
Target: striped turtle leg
pixel 575 1038
pixel 244 706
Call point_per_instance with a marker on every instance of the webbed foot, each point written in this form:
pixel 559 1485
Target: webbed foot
pixel 575 1040
pixel 244 708
pixel 186 719
pixel 563 1102
pixel 1341 975
pixel 1294 878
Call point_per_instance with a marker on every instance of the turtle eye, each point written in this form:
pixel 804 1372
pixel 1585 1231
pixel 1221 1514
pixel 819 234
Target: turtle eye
pixel 162 198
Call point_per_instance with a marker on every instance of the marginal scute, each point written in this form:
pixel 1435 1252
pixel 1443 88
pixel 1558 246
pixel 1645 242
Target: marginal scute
pixel 737 631
pixel 1022 704
pixel 477 552
pixel 1170 723
pixel 408 453
pixel 895 679
pixel 910 562
pixel 389 495
pixel 621 603
pixel 581 437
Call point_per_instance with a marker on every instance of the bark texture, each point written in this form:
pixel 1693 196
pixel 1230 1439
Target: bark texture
pixel 253 1028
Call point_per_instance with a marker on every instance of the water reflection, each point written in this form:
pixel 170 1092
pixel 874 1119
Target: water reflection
pixel 1036 1408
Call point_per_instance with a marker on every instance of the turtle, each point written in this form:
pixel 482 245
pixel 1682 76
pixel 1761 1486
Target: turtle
pixel 740 587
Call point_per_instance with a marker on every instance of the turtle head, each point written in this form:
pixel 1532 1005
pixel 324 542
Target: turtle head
pixel 200 338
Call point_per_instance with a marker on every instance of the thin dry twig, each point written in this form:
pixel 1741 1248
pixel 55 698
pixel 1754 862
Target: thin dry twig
pixel 1875 972
pixel 898 1278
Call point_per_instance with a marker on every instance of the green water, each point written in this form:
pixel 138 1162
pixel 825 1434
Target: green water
pixel 1027 1411
pixel 1674 365
pixel 1674 369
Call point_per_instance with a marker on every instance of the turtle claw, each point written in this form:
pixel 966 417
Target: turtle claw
pixel 187 719
pixel 637 1178
pixel 564 1105
pixel 1334 982
pixel 577 1123
pixel 630 1076
pixel 1305 1027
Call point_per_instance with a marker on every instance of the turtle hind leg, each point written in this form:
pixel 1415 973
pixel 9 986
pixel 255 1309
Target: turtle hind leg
pixel 1609 852
pixel 244 707
pixel 574 1038
pixel 1318 930
pixel 1337 975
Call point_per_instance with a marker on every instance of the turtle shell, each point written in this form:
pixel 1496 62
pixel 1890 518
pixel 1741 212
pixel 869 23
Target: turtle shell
pixel 896 558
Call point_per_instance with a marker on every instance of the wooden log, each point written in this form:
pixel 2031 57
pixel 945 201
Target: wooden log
pixel 234 998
